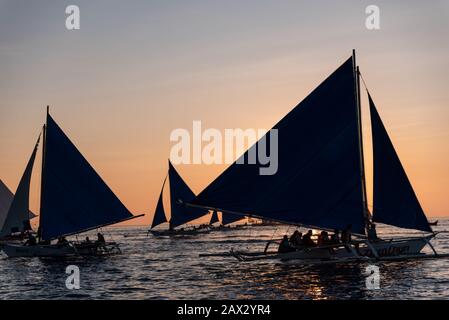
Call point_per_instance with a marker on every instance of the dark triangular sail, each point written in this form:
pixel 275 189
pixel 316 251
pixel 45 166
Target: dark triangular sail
pixel 395 202
pixel 180 193
pixel 6 197
pixel 159 213
pixel 318 180
pixel 228 218
pixel 74 197
pixel 214 217
pixel 18 218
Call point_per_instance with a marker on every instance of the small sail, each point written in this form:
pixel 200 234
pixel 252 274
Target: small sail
pixel 180 193
pixel 18 218
pixel 74 197
pixel 395 202
pixel 6 197
pixel 159 213
pixel 228 218
pixel 214 217
pixel 318 179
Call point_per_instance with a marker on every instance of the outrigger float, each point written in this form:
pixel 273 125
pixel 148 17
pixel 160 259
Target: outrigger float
pixel 74 199
pixel 320 183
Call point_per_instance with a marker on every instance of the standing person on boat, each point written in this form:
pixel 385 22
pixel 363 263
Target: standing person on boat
pixel 346 235
pixel 285 246
pixel 372 233
pixel 346 239
pixel 307 239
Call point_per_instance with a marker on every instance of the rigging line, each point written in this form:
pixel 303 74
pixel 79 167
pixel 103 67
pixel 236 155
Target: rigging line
pixel 274 232
pixel 363 80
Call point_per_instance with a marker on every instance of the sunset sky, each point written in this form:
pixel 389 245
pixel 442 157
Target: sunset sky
pixel 136 70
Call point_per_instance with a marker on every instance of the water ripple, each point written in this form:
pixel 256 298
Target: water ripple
pixel 170 268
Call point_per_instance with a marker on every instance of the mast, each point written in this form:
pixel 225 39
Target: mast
pixel 359 122
pixel 44 145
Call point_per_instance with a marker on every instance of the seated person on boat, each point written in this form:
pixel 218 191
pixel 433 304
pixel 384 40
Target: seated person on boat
pixel 31 240
pixel 335 238
pixel 285 246
pixel 323 239
pixel 307 239
pixel 62 240
pixel 100 238
pixel 296 240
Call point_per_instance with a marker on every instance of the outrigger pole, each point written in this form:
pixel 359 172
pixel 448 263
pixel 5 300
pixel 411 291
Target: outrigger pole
pixel 191 205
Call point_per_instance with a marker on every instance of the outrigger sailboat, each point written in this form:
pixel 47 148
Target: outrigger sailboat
pixel 74 199
pixel 320 182
pixel 15 222
pixel 180 215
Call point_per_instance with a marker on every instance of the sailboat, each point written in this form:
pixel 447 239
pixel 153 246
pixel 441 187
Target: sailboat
pixel 14 224
pixel 180 215
pixel 226 221
pixel 74 199
pixel 320 182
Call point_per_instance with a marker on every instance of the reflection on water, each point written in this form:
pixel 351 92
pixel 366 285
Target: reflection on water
pixel 170 268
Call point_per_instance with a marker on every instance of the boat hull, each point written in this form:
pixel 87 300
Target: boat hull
pixel 396 247
pixel 161 233
pixel 18 250
pixel 58 251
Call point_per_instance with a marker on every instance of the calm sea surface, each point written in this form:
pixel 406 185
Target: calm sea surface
pixel 170 268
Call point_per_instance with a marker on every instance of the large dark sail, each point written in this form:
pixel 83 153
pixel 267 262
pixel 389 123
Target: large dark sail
pixel 179 194
pixel 395 202
pixel 318 180
pixel 18 218
pixel 74 197
pixel 159 213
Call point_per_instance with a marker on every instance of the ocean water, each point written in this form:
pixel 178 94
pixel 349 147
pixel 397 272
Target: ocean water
pixel 170 268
